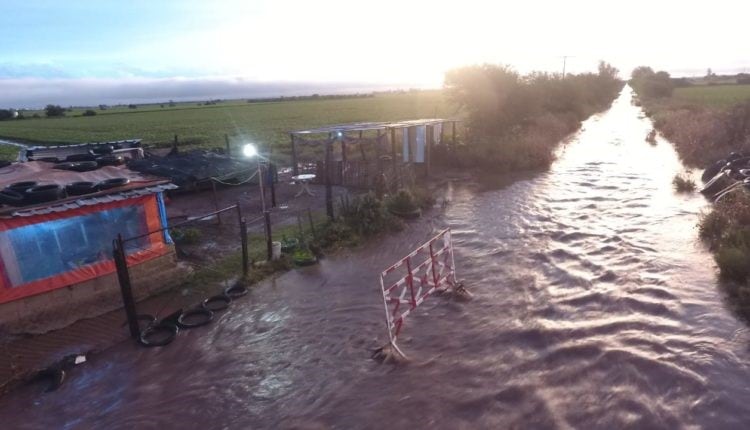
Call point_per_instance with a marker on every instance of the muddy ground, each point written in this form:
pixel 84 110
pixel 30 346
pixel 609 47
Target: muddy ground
pixel 23 354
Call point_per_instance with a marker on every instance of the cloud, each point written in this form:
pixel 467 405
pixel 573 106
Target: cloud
pixel 12 70
pixel 36 92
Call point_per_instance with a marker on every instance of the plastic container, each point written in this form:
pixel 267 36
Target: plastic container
pixel 275 250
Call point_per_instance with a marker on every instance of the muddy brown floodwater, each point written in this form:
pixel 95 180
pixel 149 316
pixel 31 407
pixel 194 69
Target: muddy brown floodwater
pixel 594 307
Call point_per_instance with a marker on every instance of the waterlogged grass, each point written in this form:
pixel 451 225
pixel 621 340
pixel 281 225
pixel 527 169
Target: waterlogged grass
pixel 713 95
pixel 263 123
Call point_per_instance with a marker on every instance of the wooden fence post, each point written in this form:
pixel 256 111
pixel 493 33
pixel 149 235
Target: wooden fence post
pixel 245 254
pixel 269 235
pixel 121 263
pixel 216 201
pixel 329 187
pixel 272 182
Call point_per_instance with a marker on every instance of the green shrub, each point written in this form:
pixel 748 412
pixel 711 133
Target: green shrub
pixel 335 234
pixel 89 112
pixel 423 198
pixel 402 202
pixel 737 236
pixel 365 214
pixel 649 84
pixel 185 236
pixel 733 262
pixel 683 183
pixel 712 225
pixel 54 111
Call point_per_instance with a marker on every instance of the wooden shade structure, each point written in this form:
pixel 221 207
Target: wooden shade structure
pixel 342 133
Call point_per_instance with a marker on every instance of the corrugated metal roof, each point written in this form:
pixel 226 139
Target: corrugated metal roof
pixel 89 201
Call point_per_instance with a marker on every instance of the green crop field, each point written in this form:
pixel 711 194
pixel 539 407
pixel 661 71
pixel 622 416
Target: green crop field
pixel 266 124
pixel 713 95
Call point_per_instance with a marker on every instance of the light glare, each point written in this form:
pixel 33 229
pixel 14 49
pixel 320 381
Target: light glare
pixel 249 150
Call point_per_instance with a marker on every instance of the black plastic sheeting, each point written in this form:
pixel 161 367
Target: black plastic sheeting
pixel 193 168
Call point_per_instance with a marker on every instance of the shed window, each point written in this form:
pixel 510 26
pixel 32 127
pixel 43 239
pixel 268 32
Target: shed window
pixel 46 249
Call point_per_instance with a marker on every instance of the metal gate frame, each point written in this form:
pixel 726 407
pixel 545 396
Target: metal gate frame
pixel 439 275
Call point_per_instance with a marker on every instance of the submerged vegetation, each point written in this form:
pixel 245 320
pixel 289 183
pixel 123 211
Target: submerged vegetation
pixel 683 183
pixel 516 121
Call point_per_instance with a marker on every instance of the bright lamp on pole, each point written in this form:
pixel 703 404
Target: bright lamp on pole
pixel 249 150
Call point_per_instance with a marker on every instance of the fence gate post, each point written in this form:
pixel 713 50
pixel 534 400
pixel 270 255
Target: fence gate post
pixel 123 277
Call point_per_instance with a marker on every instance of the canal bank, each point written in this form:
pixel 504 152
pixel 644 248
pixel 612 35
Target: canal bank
pixel 594 306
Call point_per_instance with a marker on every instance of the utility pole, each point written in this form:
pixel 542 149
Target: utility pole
pixel 565 63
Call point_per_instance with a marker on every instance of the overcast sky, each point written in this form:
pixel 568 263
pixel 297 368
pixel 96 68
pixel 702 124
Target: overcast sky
pixel 76 51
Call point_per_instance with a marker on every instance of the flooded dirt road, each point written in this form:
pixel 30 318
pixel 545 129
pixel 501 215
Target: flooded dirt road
pixel 594 307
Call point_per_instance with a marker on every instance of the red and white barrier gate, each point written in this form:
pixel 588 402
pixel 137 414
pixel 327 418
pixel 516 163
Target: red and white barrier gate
pixel 427 269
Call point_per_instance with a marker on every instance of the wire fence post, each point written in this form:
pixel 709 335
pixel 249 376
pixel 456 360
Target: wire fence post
pixel 229 149
pixel 123 277
pixel 329 187
pixel 245 256
pixel 312 225
pixel 272 180
pixel 216 201
pixel 269 237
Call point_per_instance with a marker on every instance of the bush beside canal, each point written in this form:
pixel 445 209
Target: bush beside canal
pixel 516 121
pixel 726 229
pixel 703 133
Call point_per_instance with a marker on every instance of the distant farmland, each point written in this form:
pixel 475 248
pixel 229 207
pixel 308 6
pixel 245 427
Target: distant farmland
pixel 266 123
pixel 713 95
